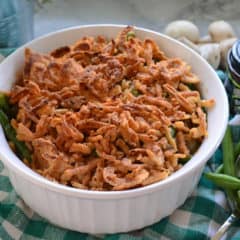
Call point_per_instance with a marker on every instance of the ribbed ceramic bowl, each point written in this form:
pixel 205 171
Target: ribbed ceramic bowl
pixel 110 212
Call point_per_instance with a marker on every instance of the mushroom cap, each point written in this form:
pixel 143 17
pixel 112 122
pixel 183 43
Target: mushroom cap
pixel 220 30
pixel 183 28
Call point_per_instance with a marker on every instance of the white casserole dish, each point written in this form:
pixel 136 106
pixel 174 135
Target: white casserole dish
pixel 110 212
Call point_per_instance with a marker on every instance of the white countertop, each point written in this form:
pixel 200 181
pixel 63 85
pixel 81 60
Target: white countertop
pixel 153 14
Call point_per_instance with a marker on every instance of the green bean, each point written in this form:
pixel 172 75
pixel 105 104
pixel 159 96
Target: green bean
pixel 228 153
pixel 173 131
pixel 219 169
pixel 224 181
pixel 191 86
pixel 228 181
pixel 237 150
pixel 135 92
pixel 10 133
pixel 234 200
pixel 4 105
pixel 238 193
pixel 130 34
pixel 184 160
pixel 237 199
pixel 94 153
pixel 10 110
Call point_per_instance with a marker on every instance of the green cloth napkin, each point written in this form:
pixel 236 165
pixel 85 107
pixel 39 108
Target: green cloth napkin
pixel 198 218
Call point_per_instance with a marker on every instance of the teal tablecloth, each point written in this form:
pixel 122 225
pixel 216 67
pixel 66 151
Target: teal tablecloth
pixel 198 218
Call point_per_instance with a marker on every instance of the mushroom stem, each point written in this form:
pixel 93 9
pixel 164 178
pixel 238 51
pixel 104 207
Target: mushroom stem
pixel 211 52
pixel 189 44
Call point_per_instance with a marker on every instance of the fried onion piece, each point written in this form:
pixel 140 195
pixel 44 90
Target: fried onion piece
pixel 172 70
pixel 60 52
pixel 84 148
pixel 155 176
pixel 48 158
pixel 181 100
pixel 24 133
pixel 182 146
pixel 133 179
pixel 69 173
pixel 130 136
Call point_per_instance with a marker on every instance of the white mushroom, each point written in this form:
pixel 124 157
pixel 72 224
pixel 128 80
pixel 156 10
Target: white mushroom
pixel 225 45
pixel 183 28
pixel 211 52
pixel 220 30
pixel 205 39
pixel 189 44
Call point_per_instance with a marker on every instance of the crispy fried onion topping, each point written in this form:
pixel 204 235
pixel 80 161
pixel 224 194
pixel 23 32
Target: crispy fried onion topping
pixel 108 114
